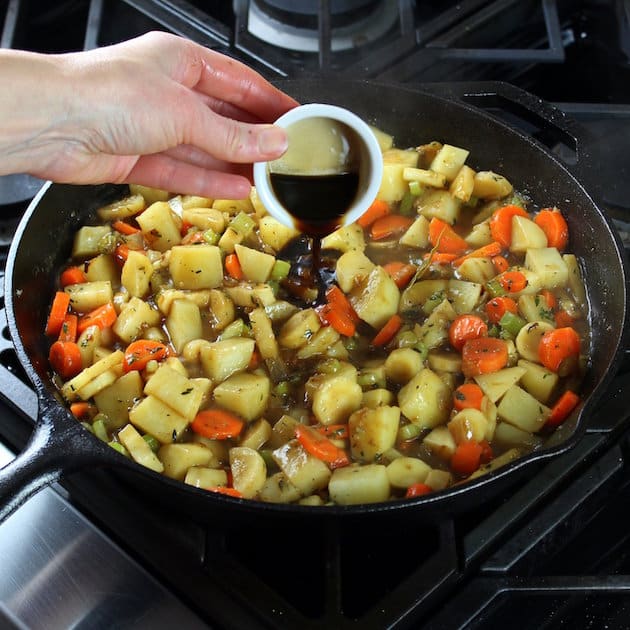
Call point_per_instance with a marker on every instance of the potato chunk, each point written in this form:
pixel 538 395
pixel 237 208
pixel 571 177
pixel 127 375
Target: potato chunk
pixel 372 432
pixel 249 470
pixel 196 266
pixel 353 485
pixel 335 398
pixel 221 359
pixel 425 400
pixel 179 458
pixel 245 394
pixel 307 473
pixel 376 298
pixel 153 416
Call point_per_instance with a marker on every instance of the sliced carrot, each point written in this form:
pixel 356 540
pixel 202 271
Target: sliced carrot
pixel 500 264
pixel 193 237
pixel 227 490
pixel 498 306
pixel 439 258
pixel 103 316
pixel 321 447
pixel 483 356
pixel 401 273
pixel 233 267
pixel 512 281
pixel 217 424
pixel 444 238
pixel 553 224
pixel 125 228
pixel 417 490
pixel 487 454
pixel 254 360
pixel 140 352
pixel 65 358
pixel 468 396
pixel 550 299
pixel 563 407
pixel 390 225
pixel 334 431
pixel 466 458
pixel 378 209
pixel 82 410
pixel 121 253
pixel 57 313
pixel 557 346
pixel 388 331
pixel 68 330
pixel 72 275
pixel 464 328
pixel 486 251
pixel 185 226
pixel 563 319
pixel 337 298
pixel 501 223
pixel 341 321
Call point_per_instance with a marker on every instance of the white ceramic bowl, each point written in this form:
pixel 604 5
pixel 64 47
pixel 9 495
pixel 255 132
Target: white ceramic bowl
pixel 370 162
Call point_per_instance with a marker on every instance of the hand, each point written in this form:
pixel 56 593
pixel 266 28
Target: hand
pixel 158 110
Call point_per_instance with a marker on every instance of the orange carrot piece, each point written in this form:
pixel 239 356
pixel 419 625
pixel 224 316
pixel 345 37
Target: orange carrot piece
pixel 498 306
pixel 337 298
pixel 417 490
pixel 440 258
pixel 65 358
pixel 390 225
pixel 57 314
pixel 377 210
pixel 467 457
pixel 334 431
pixel 340 320
pixel 72 275
pixel 464 328
pixel 125 228
pixel 233 267
pixel 388 331
pixel 501 223
pixel 558 345
pixel 321 447
pixel 401 273
pixel 563 407
pixel 217 424
pixel 486 251
pixel 193 237
pixel 563 319
pixel 82 410
pixel 500 264
pixel 102 316
pixel 140 352
pixel 227 490
pixel 121 253
pixel 553 224
pixel 512 281
pixel 69 327
pixel 468 396
pixel 550 299
pixel 444 238
pixel 484 355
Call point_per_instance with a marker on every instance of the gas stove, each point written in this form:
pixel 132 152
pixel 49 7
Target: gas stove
pixel 553 552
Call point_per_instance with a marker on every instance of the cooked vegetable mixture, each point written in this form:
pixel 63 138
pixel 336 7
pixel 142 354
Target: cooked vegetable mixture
pixel 442 335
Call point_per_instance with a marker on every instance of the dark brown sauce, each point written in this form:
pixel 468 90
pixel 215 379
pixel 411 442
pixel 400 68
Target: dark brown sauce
pixel 317 204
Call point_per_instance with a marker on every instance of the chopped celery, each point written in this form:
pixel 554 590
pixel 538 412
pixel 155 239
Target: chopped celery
pixel 211 237
pixel 282 389
pixel 407 339
pixel 99 428
pixel 151 441
pixel 236 329
pixel 511 323
pixel 406 204
pixel 88 426
pixel 329 366
pixel 243 223
pixel 408 432
pixel 280 270
pixel 494 288
pixel 422 350
pixel 117 446
pixel 415 188
pixel 434 300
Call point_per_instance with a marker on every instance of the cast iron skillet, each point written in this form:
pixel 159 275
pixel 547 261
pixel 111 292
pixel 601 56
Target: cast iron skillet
pixel 44 238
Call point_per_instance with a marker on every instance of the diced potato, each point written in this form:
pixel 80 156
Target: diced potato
pixel 87 240
pixel 218 448
pixel 320 343
pixel 259 208
pixel 509 435
pixel 462 186
pixel 234 206
pixel 111 361
pixel 402 364
pixel 89 340
pixel 417 235
pixel 274 233
pixel 307 473
pixel 407 157
pixel 490 185
pixel 405 471
pixel 116 400
pixel 256 265
pixel 424 177
pixel 445 361
pixel 393 186
pixel 263 334
pixel 335 398
pixel 221 309
pixel 528 339
pixel 139 449
pixel 278 489
pixel 495 384
pixel 549 266
pixel 478 270
pixel 229 239
pixel 159 226
pixel 425 400
pixel 464 295
pixel 204 218
pixel 434 330
pixel 438 479
pixel 196 266
pixel 134 318
pixel 489 409
pixel 352 268
pixel 136 274
pixel 161 421
pixel 102 268
pixel 522 410
pixel 245 394
pixel 86 296
pixel 178 458
pixel 256 435
pixel 353 485
pixel 534 308
pixel 283 431
pixel 195 202
pixel 574 279
pixel 249 470
pixel 526 235
pixel 204 477
pixel 479 235
pixel 221 359
pixel 468 424
pixel 123 208
pixel 183 323
pixel 385 140
pixel 538 380
pixel 150 195
pixel 97 384
pixel 299 328
pixel 440 204
pixel 372 432
pixel 449 160
pixel 375 299
pixel 345 239
pixel 175 390
pixel 419 292
pixel 377 398
pixel 166 297
pixel 497 462
pixel 440 442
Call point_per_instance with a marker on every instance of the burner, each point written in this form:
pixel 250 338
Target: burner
pixel 295 26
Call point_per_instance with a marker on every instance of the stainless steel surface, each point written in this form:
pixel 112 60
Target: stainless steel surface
pixel 59 571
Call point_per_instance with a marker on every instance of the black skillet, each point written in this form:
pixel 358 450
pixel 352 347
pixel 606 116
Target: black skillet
pixel 44 237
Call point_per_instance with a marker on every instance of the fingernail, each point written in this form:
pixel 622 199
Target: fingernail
pixel 272 141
